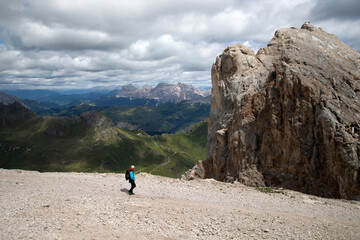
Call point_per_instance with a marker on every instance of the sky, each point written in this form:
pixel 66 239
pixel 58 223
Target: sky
pixel 72 44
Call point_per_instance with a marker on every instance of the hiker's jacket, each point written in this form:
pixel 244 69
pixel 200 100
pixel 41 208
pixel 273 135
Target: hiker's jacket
pixel 132 174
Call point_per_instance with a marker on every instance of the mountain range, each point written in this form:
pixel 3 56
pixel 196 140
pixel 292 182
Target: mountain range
pixel 166 108
pixel 163 91
pixel 30 104
pixel 128 95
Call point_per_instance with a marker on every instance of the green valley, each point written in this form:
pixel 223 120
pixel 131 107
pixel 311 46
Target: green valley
pixel 91 142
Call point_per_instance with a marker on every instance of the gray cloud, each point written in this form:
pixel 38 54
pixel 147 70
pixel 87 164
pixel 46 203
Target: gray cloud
pixel 73 44
pixel 334 9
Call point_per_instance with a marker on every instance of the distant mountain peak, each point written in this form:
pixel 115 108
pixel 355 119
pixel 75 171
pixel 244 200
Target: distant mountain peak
pixel 30 104
pixel 129 87
pixel 11 114
pixel 163 91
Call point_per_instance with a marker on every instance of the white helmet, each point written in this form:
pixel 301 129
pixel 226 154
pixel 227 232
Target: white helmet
pixel 132 166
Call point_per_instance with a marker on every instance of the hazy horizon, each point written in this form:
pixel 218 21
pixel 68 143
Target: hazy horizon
pixel 92 89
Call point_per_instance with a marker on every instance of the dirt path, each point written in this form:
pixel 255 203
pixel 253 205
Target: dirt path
pixel 167 162
pixel 96 206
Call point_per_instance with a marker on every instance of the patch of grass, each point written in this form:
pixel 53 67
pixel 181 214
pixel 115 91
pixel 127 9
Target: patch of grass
pixel 271 190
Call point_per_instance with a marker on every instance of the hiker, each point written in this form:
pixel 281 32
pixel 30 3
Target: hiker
pixel 132 179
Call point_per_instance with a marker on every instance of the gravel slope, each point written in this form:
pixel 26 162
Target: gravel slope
pixel 96 206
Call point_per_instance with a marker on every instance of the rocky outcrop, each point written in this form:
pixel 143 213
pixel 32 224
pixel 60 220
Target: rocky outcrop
pixel 96 119
pixel 288 116
pixel 105 131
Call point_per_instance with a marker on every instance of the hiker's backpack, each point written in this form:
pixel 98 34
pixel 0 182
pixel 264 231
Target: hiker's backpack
pixel 127 175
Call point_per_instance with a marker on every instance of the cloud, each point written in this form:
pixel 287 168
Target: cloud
pixel 333 9
pixel 346 30
pixel 74 44
pixel 341 18
pixel 42 37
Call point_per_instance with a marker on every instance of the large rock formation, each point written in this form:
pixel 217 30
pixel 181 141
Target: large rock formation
pixel 288 116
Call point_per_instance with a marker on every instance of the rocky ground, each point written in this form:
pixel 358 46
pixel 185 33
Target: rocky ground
pixel 96 206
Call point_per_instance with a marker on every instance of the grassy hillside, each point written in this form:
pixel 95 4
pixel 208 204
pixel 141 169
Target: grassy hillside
pixel 186 149
pixel 77 144
pixel 167 118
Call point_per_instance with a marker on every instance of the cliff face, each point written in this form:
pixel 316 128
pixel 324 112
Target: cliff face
pixel 288 116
